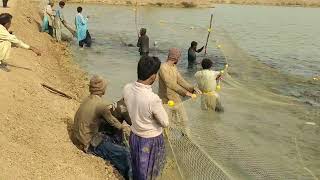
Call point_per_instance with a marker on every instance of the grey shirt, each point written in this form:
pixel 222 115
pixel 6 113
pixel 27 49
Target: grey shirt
pixel 143 44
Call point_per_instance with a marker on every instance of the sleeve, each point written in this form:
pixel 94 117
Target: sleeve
pixel 171 84
pixel 105 112
pixel 159 113
pixel 49 11
pixel 5 35
pixel 199 50
pixel 139 42
pixel 122 111
pixel 183 83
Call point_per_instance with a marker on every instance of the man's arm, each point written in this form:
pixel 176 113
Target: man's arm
pixel 183 83
pixel 170 83
pixel 139 42
pixel 105 112
pixel 199 50
pixel 5 35
pixel 159 112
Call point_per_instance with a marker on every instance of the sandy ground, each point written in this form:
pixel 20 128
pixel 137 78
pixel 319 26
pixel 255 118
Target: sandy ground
pixel 35 124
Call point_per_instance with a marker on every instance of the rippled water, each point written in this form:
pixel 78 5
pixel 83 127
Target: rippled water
pixel 273 54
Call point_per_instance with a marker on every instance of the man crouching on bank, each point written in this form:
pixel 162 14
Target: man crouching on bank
pixel 98 127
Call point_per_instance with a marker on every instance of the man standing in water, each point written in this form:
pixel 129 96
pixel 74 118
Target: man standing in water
pixel 5 3
pixel 143 42
pixel 192 56
pixel 171 84
pixel 82 31
pixel 148 120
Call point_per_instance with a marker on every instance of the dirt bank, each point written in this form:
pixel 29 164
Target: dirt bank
pixel 34 136
pixel 205 3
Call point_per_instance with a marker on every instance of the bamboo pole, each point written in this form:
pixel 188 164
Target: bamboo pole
pixel 209 32
pixel 136 18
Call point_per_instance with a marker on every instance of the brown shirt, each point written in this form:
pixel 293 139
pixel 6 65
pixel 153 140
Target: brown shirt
pixel 89 117
pixel 171 84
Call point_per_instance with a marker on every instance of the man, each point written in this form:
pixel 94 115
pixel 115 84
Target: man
pixel 207 83
pixel 171 83
pixel 7 39
pixel 59 20
pixel 98 131
pixel 47 24
pixel 82 31
pixel 5 3
pixel 143 42
pixel 148 120
pixel 192 56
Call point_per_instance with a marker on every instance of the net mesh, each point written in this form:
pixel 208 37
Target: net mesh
pixel 261 134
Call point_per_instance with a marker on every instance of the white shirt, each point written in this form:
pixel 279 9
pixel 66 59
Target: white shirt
pixel 206 80
pixel 6 36
pixel 145 110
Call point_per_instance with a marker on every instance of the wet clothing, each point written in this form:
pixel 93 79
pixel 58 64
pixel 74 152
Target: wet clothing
pixel 6 41
pixel 192 56
pixel 207 82
pixel 147 156
pixel 171 84
pixel 5 3
pixel 82 33
pixel 87 41
pixel 143 44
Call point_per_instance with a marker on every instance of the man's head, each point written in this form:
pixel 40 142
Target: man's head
pixel 206 63
pixel 174 55
pixel 194 44
pixel 79 9
pixel 5 20
pixel 51 3
pixel 143 31
pixel 148 68
pixel 62 4
pixel 97 86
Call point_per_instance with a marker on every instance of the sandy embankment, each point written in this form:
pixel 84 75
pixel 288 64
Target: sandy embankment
pixel 34 138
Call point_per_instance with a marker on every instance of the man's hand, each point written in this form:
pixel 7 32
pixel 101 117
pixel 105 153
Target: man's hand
pixel 35 50
pixel 197 91
pixel 189 94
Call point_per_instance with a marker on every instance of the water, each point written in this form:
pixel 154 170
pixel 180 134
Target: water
pixel 273 54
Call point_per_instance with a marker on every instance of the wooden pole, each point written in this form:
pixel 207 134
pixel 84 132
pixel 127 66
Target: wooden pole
pixel 53 90
pixel 209 31
pixel 136 18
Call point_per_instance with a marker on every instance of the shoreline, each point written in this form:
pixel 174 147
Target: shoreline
pixel 35 123
pixel 205 4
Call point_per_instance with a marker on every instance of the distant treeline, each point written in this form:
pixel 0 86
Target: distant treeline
pixel 206 3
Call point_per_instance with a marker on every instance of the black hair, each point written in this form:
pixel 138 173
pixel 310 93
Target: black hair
pixel 147 67
pixel 5 18
pixel 79 9
pixel 143 31
pixel 62 3
pixel 206 63
pixel 193 43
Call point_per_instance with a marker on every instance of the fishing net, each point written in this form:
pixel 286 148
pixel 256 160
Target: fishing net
pixel 261 135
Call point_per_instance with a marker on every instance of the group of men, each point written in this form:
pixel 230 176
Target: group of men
pixel 99 126
pixel 53 21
